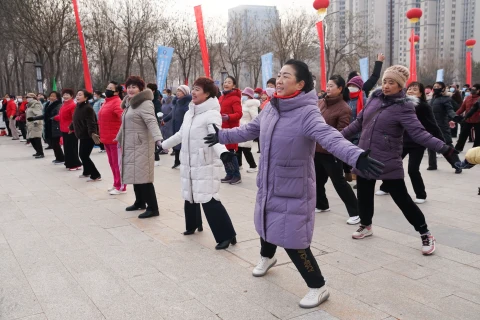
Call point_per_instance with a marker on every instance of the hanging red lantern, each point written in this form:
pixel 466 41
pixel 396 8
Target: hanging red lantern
pixel 321 6
pixel 414 15
pixel 470 43
pixel 416 39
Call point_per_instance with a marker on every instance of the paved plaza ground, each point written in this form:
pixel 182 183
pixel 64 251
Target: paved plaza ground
pixel 69 250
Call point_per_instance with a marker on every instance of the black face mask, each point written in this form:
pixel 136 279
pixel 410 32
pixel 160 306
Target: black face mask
pixel 473 91
pixel 109 93
pixel 437 91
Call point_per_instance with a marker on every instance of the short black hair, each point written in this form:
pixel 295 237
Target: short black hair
pixel 340 82
pixel 302 73
pixel 429 87
pixel 152 86
pixel 68 91
pixel 476 85
pixel 135 81
pixel 88 95
pixel 442 84
pixel 207 85
pixel 272 81
pixel 352 75
pixel 168 91
pixel 466 85
pixel 56 93
pixel 98 92
pixel 233 80
pixel 420 87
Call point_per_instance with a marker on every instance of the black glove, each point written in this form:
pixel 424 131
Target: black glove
pixel 227 159
pixel 458 119
pixel 30 119
pixel 369 165
pixel 212 138
pixel 448 151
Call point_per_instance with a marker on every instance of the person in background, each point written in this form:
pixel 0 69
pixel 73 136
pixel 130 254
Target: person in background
pixel 52 126
pixel 372 81
pixel 137 139
pixel 167 107
pixel 428 92
pixel 231 111
pixel 109 123
pixel 257 93
pixel 456 96
pixel 271 83
pixel 34 116
pixel 157 105
pixel 42 99
pixel 12 115
pixel 250 107
pixel 22 119
pixel 97 103
pixel 337 114
pixel 5 100
pixel 464 90
pixel 472 122
pixel 201 166
pixel 85 127
pixel 180 107
pixel 70 141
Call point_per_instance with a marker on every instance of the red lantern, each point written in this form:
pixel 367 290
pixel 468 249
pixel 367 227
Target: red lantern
pixel 470 43
pixel 321 6
pixel 416 39
pixel 414 15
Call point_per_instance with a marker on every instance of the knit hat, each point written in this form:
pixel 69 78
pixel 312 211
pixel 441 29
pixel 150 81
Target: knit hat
pixel 248 92
pixel 185 89
pixel 356 81
pixel 258 90
pixel 31 95
pixel 398 73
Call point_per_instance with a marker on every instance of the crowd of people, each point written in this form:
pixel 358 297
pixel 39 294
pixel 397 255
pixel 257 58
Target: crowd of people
pixel 354 131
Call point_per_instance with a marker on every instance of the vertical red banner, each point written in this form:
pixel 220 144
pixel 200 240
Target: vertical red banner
pixel 323 68
pixel 86 70
pixel 202 40
pixel 413 59
pixel 468 68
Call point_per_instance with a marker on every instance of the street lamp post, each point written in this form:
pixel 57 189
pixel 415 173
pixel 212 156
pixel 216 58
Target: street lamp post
pixel 224 74
pixel 38 72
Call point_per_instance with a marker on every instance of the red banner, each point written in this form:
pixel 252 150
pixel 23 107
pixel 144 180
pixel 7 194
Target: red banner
pixel 201 38
pixel 413 59
pixel 86 71
pixel 323 68
pixel 468 68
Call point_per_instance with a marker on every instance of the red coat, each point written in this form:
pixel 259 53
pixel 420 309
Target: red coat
pixel 65 115
pixel 467 105
pixel 110 119
pixel 23 107
pixel 231 105
pixel 11 109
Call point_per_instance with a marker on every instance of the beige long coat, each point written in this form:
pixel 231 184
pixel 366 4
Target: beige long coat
pixel 34 128
pixel 137 137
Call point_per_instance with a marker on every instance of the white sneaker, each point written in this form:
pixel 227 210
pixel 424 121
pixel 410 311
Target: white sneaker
pixel 23 140
pixel 314 298
pixel 110 189
pixel 381 193
pixel 428 244
pixel 420 201
pixel 252 170
pixel 321 210
pixel 157 163
pixel 115 192
pixel 353 220
pixel 102 151
pixel 439 155
pixel 263 266
pixel 362 232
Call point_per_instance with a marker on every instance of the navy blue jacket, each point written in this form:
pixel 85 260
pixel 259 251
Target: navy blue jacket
pixel 180 107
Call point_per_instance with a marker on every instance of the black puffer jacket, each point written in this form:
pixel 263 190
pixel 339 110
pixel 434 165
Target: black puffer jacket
pixel 52 127
pixel 425 116
pixel 443 111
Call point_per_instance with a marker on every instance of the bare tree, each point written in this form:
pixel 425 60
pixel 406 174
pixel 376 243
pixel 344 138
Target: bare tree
pixel 185 42
pixel 427 72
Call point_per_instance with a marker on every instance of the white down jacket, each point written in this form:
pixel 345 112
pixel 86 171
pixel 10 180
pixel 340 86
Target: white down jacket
pixel 200 166
pixel 250 112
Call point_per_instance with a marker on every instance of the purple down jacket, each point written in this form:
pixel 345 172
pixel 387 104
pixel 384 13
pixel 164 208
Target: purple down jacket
pixel 382 122
pixel 288 130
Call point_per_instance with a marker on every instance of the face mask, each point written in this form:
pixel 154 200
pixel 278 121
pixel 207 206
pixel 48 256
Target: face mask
pixel 463 89
pixel 165 96
pixel 256 95
pixel 437 91
pixel 244 98
pixel 452 89
pixel 467 94
pixel 29 99
pixel 90 101
pixel 42 100
pixel 20 100
pixel 270 91
pixel 8 99
pixel 109 93
pixel 427 91
pixel 353 89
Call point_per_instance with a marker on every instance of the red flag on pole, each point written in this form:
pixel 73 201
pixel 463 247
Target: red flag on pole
pixel 323 69
pixel 413 59
pixel 86 71
pixel 468 65
pixel 201 38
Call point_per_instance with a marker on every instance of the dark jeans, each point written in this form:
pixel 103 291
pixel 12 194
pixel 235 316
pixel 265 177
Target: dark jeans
pixel 302 259
pixel 37 145
pixel 248 156
pixel 70 147
pixel 326 165
pixel 465 133
pixel 399 193
pixel 23 128
pixel 415 156
pixel 89 169
pixel 236 171
pixel 217 217
pixel 57 149
pixel 145 195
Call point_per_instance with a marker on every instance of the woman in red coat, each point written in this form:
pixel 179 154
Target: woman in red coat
pixel 231 110
pixel 11 115
pixel 109 122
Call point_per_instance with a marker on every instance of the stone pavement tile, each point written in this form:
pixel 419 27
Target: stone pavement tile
pixel 464 272
pixel 457 238
pixel 168 236
pixel 39 316
pixel 109 220
pixel 146 224
pixel 316 315
pixel 454 254
pixel 246 311
pixel 347 263
pixel 458 307
pixel 409 269
pixel 10 213
pixel 188 310
pixel 128 234
pixel 96 236
pixel 49 225
pixel 16 295
pixel 66 242
pixel 4 198
pixel 461 288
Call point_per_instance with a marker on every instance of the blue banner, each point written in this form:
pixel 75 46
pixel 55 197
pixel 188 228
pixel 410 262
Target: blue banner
pixel 164 57
pixel 440 73
pixel 267 68
pixel 364 69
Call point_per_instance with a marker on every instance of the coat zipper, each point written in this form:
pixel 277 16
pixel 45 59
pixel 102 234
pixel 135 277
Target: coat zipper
pixel 189 160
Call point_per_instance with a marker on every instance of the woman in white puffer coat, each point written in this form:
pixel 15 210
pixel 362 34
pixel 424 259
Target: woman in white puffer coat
pixel 201 167
pixel 250 107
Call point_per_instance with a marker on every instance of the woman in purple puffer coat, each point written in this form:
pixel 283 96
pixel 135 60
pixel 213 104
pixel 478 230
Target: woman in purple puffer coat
pixel 383 121
pixel 288 127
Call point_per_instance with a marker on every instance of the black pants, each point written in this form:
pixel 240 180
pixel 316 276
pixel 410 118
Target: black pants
pixel 157 156
pixel 302 259
pixel 70 147
pixel 5 119
pixel 145 195
pixel 326 165
pixel 37 145
pixel 399 193
pixel 102 147
pixel 465 133
pixel 177 156
pixel 23 128
pixel 454 131
pixel 217 217
pixel 248 156
pixel 89 169
pixel 432 158
pixel 57 149
pixel 415 156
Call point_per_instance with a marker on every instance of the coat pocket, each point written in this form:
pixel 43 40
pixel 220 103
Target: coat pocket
pixel 289 182
pixel 137 138
pixel 201 157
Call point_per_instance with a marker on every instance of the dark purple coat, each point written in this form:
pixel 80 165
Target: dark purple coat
pixel 383 122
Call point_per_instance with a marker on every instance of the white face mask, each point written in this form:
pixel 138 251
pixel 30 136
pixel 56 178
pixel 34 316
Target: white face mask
pixel 20 100
pixel 353 89
pixel 8 99
pixel 29 99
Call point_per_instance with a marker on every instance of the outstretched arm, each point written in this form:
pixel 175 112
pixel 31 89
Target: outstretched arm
pixel 244 133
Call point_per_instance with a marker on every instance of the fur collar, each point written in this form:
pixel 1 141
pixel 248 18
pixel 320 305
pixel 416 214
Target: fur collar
pixel 138 99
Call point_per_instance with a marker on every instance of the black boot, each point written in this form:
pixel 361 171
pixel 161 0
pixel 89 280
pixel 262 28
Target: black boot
pixel 224 244
pixel 189 232
pixel 133 207
pixel 149 214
